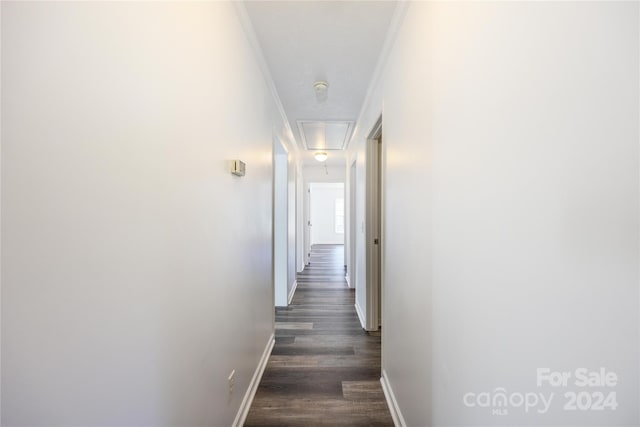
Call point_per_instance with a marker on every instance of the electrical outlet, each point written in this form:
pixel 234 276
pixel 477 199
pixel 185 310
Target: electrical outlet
pixel 231 380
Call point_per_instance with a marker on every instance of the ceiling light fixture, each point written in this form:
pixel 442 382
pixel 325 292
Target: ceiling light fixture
pixel 320 156
pixel 321 88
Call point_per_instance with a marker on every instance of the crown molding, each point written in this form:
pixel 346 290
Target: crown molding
pixel 250 33
pixel 396 22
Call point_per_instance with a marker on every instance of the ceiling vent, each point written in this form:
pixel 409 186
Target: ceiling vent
pixel 321 135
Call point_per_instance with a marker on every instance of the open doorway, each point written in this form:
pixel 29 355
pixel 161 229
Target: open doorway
pixel 326 213
pixel 280 224
pixel 374 231
pixel 351 273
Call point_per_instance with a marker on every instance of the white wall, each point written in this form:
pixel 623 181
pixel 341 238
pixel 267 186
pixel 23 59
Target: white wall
pixel 324 197
pixel 127 244
pixel 322 174
pixel 510 135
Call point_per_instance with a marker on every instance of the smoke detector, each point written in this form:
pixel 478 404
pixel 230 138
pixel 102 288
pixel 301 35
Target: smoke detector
pixel 321 87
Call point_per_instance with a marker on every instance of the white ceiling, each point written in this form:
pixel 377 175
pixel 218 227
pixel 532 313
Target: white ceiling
pixel 307 41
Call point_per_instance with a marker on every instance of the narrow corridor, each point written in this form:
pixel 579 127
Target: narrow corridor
pixel 324 368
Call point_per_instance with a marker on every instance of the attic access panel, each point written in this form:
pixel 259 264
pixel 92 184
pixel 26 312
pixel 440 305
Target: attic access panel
pixel 325 135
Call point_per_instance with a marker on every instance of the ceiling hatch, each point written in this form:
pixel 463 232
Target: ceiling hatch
pixel 325 135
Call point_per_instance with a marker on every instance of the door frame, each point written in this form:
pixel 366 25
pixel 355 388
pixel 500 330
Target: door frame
pixel 319 210
pixel 374 195
pixel 307 223
pixel 280 223
pixel 353 229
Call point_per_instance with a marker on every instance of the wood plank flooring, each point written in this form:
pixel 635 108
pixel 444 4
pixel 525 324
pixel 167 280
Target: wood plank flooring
pixel 324 369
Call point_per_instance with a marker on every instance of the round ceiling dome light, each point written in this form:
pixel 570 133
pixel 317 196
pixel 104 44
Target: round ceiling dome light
pixel 320 156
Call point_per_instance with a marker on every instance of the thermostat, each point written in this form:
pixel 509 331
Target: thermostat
pixel 237 167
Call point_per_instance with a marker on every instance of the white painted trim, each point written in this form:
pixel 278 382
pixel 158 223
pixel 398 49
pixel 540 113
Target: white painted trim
pixel 243 411
pixel 360 315
pixel 347 136
pixel 346 277
pixel 247 26
pixel 280 225
pixel 396 21
pixel 392 403
pixel 374 221
pixel 292 291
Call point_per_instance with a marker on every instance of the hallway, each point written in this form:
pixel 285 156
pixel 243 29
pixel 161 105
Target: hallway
pixel 161 167
pixel 324 369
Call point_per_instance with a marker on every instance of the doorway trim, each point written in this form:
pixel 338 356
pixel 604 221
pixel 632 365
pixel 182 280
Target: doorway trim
pixel 353 228
pixel 374 242
pixel 280 223
pixel 322 216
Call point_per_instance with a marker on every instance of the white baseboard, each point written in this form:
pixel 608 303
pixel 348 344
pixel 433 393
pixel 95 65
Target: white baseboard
pixel 360 316
pixel 293 291
pixel 243 411
pixel 398 419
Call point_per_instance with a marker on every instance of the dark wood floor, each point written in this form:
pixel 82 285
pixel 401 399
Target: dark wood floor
pixel 324 369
